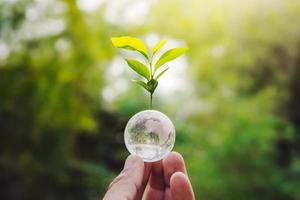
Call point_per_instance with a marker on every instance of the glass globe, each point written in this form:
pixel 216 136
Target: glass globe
pixel 150 134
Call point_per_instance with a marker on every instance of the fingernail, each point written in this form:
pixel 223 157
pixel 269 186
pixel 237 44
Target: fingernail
pixel 132 161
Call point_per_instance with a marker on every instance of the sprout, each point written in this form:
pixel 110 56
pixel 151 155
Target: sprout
pixel 149 70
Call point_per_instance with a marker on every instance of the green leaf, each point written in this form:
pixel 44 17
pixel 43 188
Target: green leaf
pixel 169 55
pixel 161 73
pixel 159 45
pixel 152 84
pixel 141 83
pixel 139 68
pixel 131 43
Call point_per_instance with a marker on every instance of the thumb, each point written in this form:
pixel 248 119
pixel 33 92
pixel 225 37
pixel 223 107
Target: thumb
pixel 126 185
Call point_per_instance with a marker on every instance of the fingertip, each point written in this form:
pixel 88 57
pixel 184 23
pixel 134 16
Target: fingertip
pixel 133 161
pixel 181 187
pixel 129 181
pixel 174 157
pixel 178 179
pixel 134 157
pixel 173 163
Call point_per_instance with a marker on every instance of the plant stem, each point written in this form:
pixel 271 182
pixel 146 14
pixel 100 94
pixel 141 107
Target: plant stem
pixel 151 73
pixel 150 106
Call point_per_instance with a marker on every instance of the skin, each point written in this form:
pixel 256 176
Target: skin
pixel 162 180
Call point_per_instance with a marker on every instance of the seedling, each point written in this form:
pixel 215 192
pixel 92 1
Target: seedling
pixel 149 71
pixel 149 134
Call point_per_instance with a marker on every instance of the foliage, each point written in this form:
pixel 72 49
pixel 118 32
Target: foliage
pixel 147 70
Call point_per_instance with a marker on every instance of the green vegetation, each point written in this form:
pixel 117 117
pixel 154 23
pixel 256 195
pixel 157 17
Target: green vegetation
pixel 148 71
pixel 234 97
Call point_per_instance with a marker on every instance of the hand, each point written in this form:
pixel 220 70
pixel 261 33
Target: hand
pixel 162 180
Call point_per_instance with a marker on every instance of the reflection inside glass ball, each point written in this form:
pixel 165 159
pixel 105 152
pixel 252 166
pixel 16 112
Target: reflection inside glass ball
pixel 150 134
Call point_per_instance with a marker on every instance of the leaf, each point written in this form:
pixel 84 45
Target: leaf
pixel 152 84
pixel 141 83
pixel 169 55
pixel 161 73
pixel 159 45
pixel 130 43
pixel 139 68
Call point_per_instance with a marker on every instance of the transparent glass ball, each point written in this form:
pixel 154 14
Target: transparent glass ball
pixel 150 134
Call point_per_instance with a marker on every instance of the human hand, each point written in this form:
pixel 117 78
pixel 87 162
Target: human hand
pixel 162 180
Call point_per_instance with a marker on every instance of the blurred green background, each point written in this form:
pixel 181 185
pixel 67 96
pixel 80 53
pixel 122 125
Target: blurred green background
pixel 66 94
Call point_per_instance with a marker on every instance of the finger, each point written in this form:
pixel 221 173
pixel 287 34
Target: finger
pixel 147 170
pixel 156 187
pixel 181 187
pixel 126 185
pixel 173 163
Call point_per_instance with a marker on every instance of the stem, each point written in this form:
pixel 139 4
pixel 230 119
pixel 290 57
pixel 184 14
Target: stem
pixel 150 106
pixel 151 73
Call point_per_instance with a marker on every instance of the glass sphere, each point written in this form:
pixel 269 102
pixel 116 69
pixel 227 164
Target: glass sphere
pixel 150 134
